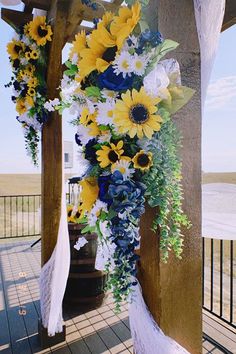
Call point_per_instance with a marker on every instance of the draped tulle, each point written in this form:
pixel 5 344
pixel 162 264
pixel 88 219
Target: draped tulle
pixel 209 16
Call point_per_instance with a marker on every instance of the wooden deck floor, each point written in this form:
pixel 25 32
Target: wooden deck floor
pixel 97 331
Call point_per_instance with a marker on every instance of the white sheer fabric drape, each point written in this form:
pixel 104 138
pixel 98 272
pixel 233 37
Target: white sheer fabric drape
pixel 147 337
pixel 209 16
pixel 54 274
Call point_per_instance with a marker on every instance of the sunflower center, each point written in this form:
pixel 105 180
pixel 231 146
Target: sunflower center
pixel 17 48
pixel 109 54
pixel 139 114
pixel 143 160
pixel 113 156
pixel 42 32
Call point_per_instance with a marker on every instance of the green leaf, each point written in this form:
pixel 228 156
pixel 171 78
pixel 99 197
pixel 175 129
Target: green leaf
pixel 178 102
pixel 160 51
pixel 68 64
pixel 103 127
pixel 93 91
pixel 87 229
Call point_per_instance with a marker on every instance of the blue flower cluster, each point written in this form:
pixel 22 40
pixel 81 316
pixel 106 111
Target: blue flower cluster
pixel 128 205
pixel 149 37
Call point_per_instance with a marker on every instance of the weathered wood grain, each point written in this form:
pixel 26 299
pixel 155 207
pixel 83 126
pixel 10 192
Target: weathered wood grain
pixel 173 291
pixel 52 137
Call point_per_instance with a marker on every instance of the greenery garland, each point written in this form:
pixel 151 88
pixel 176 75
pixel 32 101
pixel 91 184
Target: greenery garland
pixel 27 54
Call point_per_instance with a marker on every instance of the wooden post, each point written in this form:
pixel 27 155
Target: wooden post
pixel 52 137
pixel 173 291
pixel 52 153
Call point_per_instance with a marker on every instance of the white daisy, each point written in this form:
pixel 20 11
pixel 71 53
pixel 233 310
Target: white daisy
pixel 108 94
pixel 123 64
pixel 23 61
pixel 50 105
pixel 83 164
pixel 123 166
pixel 83 134
pixel 26 40
pixel 105 112
pixel 139 64
pixel 95 212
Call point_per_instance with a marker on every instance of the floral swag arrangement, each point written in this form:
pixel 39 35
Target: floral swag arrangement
pixel 121 95
pixel 27 54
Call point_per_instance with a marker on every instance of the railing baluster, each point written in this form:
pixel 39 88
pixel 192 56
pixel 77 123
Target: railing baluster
pixel 231 280
pixel 5 231
pixel 221 278
pixel 212 272
pixel 203 271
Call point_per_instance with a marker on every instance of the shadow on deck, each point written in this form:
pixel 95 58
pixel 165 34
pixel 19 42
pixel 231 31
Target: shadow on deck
pixel 97 331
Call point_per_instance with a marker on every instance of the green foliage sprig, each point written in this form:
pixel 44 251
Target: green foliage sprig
pixel 164 189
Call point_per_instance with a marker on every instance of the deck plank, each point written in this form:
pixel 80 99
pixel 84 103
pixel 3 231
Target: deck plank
pixel 94 332
pixel 95 344
pixel 217 330
pixel 79 347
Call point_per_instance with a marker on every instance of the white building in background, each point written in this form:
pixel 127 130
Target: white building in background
pixel 68 154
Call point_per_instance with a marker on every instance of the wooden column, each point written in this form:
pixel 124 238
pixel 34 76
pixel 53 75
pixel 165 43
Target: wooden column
pixel 52 137
pixel 173 291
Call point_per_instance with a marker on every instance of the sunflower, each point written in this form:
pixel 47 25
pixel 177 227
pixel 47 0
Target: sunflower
pixel 88 194
pixel 78 44
pixel 109 155
pixel 34 54
pixel 31 92
pixel 39 31
pixel 107 19
pixel 14 48
pixel 28 55
pixel 103 46
pixel 125 22
pixel 135 114
pixel 22 104
pixel 72 215
pixel 142 160
pixel 33 82
pixel 89 120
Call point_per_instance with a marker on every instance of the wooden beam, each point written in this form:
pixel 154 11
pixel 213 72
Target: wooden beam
pixel 172 291
pixel 83 12
pixel 75 17
pixel 230 14
pixel 15 18
pixel 52 137
pixel 38 4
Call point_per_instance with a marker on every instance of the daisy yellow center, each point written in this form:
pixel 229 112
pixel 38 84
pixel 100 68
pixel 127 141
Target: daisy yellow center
pixel 125 64
pixel 122 170
pixel 109 54
pixel 113 156
pixel 139 114
pixel 42 32
pixel 110 114
pixel 139 64
pixel 143 160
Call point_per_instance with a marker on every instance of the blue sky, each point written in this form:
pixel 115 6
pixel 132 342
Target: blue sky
pixel 219 120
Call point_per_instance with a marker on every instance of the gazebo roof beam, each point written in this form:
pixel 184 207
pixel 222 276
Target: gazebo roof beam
pixel 230 14
pixel 80 12
pixel 38 4
pixel 15 18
